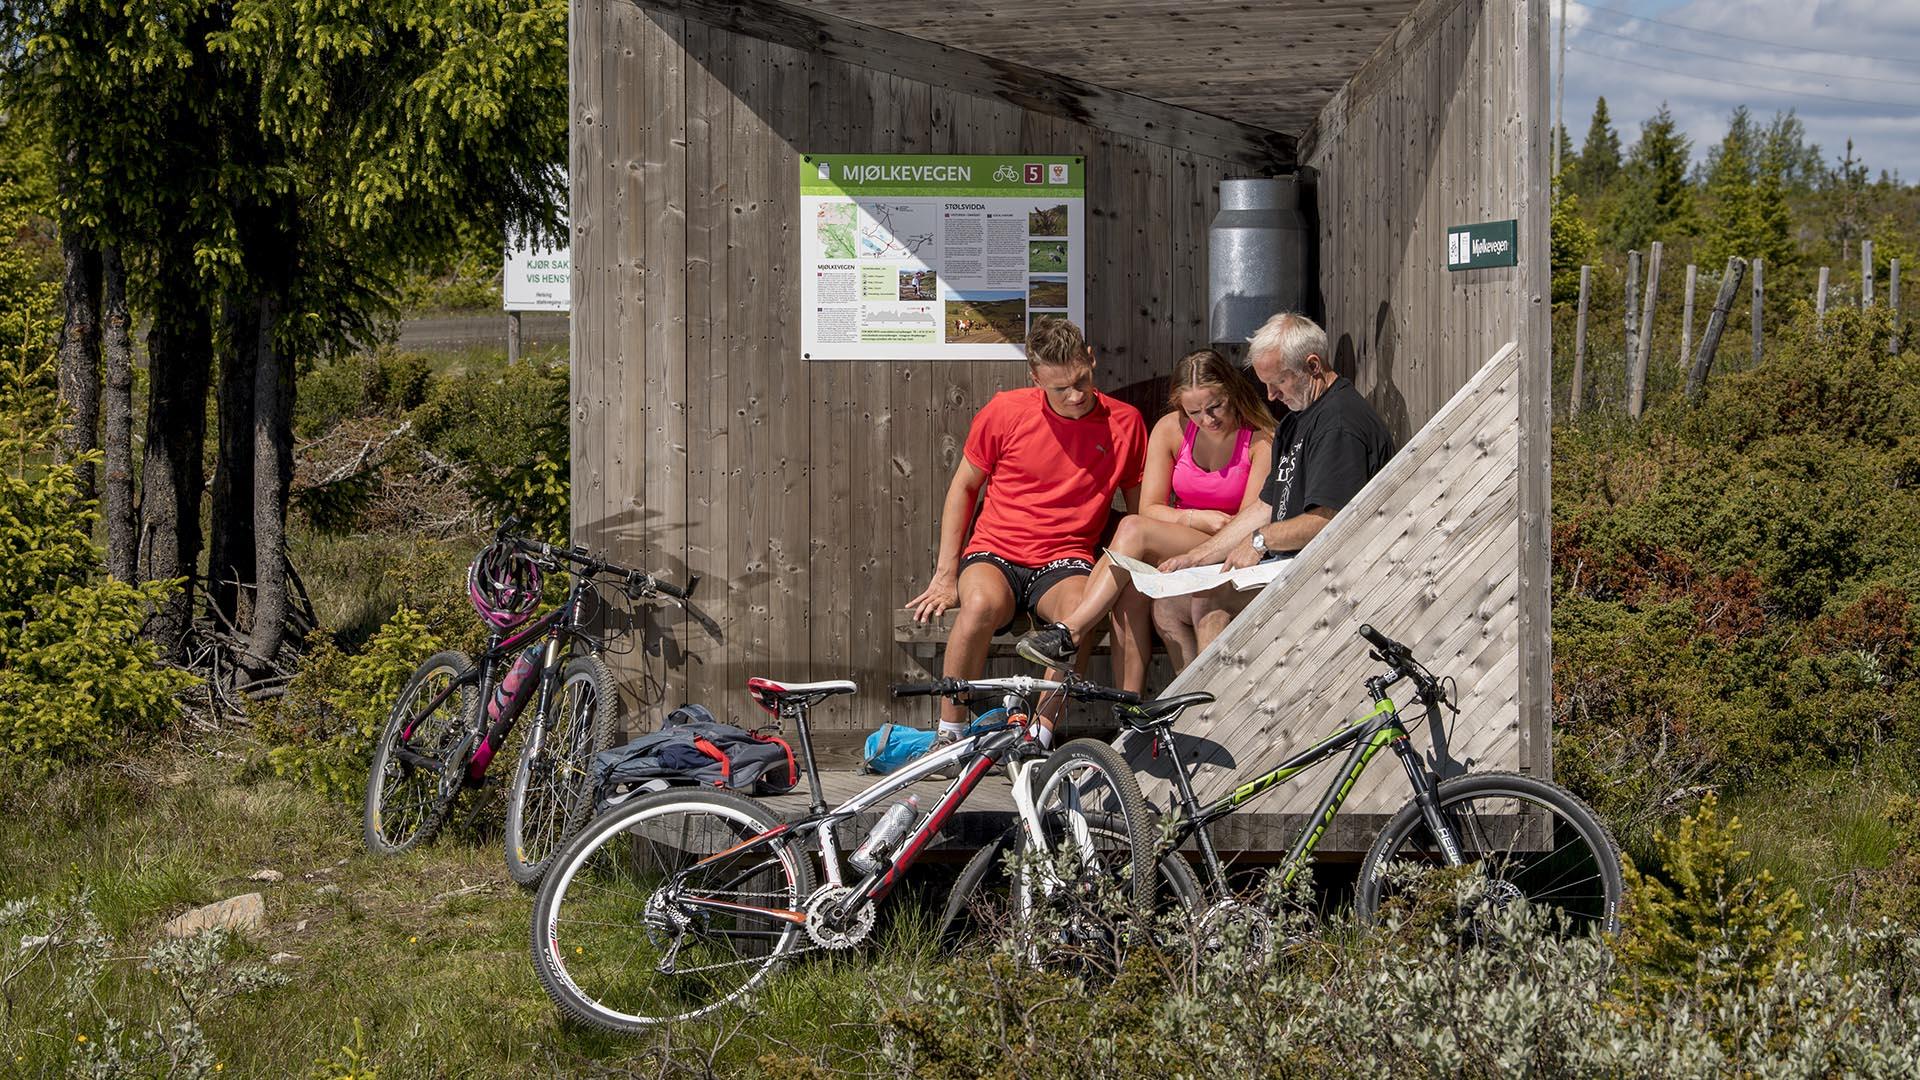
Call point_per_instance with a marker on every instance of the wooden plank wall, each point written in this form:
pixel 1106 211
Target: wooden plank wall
pixel 1428 553
pixel 806 496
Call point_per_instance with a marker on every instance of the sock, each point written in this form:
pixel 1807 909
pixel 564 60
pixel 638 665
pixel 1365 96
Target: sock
pixel 1044 737
pixel 955 730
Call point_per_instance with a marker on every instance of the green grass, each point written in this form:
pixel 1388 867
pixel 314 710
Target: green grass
pixel 427 952
pixel 1819 830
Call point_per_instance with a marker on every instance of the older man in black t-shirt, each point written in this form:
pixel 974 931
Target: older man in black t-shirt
pixel 1330 443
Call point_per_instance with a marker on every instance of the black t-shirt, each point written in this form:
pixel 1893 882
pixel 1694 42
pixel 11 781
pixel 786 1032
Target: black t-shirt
pixel 1325 453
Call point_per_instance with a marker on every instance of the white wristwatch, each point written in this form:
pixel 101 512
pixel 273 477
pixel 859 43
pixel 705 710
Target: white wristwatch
pixel 1259 542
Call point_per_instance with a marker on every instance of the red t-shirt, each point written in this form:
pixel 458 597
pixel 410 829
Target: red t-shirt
pixel 1050 480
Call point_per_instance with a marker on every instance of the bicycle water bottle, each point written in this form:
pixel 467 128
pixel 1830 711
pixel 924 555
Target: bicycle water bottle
pixel 508 698
pixel 893 826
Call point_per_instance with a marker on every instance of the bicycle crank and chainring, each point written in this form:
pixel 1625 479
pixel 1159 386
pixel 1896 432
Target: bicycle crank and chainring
pixel 846 935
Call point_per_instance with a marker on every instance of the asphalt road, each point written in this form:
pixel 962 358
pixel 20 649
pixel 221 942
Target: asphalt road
pixel 538 329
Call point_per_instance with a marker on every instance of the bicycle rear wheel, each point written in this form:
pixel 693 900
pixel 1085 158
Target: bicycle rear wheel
pixel 405 803
pixel 551 795
pixel 1532 840
pixel 660 911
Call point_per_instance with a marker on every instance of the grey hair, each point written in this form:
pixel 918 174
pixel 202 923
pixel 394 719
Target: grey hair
pixel 1292 336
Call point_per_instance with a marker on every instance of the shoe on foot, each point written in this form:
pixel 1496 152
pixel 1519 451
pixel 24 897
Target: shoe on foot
pixel 1050 646
pixel 949 770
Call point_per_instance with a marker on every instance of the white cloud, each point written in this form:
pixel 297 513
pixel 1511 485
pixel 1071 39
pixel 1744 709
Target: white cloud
pixel 1864 45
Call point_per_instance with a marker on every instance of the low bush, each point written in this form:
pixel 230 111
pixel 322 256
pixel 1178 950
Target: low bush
pixel 1735 582
pixel 337 705
pixel 75 674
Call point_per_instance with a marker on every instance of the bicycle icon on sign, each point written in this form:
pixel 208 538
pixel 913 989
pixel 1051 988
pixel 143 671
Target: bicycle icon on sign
pixel 1006 174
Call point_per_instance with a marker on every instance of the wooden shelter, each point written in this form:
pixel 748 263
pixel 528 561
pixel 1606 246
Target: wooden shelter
pixel 806 494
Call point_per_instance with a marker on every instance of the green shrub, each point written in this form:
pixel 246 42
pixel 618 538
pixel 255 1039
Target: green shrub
pixel 510 430
pixel 1707 927
pixel 337 705
pixel 75 674
pixel 386 382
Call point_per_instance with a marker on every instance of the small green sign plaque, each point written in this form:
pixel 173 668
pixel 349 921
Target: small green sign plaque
pixel 1494 243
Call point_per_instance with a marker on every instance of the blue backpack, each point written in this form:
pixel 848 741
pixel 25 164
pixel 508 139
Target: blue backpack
pixel 896 744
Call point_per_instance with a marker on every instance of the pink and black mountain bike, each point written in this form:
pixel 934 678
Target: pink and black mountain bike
pixel 455 712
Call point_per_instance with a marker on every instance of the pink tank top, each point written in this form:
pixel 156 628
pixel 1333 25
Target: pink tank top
pixel 1194 488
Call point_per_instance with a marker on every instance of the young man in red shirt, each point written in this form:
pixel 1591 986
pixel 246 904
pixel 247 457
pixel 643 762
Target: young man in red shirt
pixel 1049 456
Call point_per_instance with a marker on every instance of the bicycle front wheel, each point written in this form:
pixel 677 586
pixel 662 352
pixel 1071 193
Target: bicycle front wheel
pixel 980 903
pixel 663 910
pixel 1530 839
pixel 551 795
pixel 404 804
pixel 1094 878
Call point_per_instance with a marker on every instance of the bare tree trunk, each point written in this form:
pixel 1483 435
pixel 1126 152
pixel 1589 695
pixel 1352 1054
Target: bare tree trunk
pixel 230 562
pixel 272 475
pixel 179 363
pixel 79 356
pixel 123 526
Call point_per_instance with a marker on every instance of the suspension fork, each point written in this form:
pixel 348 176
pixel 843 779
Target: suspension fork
pixel 1426 797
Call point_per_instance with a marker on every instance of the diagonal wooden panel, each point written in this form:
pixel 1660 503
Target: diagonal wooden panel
pixel 1429 554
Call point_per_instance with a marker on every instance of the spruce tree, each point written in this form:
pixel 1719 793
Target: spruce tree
pixel 1748 213
pixel 1600 157
pixel 1657 201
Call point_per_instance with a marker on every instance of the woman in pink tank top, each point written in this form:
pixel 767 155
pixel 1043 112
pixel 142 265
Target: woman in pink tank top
pixel 1206 459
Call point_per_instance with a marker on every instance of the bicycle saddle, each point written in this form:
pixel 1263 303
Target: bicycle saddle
pixel 772 696
pixel 1161 711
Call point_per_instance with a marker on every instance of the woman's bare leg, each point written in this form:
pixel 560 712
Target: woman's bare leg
pixel 1173 617
pixel 1132 639
pixel 1141 538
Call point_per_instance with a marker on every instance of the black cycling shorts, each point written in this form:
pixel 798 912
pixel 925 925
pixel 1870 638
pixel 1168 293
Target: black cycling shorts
pixel 1028 583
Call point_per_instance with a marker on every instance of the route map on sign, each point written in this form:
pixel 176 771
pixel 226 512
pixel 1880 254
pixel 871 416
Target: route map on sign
pixel 835 224
pixel 938 257
pixel 895 230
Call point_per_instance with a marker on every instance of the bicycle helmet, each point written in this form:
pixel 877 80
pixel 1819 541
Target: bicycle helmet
pixel 504 585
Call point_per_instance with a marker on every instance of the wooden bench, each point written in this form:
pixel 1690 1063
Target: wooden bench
pixel 926 640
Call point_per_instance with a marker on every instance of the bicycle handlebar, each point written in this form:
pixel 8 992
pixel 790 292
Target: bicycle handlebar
pixel 637 583
pixel 1400 659
pixel 1074 687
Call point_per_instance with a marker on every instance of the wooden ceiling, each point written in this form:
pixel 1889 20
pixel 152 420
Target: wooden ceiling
pixel 1270 64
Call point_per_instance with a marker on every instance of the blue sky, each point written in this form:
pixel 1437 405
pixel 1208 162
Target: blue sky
pixel 1848 68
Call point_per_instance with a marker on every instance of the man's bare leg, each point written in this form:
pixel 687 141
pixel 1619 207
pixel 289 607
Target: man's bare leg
pixel 986 604
pixel 1214 610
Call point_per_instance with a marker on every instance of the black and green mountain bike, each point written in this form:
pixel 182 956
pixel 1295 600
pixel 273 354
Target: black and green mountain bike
pixel 1528 839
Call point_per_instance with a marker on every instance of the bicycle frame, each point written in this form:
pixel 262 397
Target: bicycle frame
pixel 1362 740
pixel 986 750
pixel 557 625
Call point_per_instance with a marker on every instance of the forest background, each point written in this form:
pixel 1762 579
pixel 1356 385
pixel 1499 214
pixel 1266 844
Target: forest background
pixel 235 513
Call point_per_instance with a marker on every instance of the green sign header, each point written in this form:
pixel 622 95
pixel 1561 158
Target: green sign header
pixel 935 175
pixel 1494 243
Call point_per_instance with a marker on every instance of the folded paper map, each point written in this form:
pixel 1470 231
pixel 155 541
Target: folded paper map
pixel 1194 579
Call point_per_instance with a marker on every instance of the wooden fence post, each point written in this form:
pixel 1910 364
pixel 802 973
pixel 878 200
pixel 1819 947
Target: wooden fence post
pixel 1716 325
pixel 1686 317
pixel 1820 302
pixel 1759 306
pixel 1893 301
pixel 513 337
pixel 1580 345
pixel 1633 309
pixel 1866 274
pixel 1637 365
